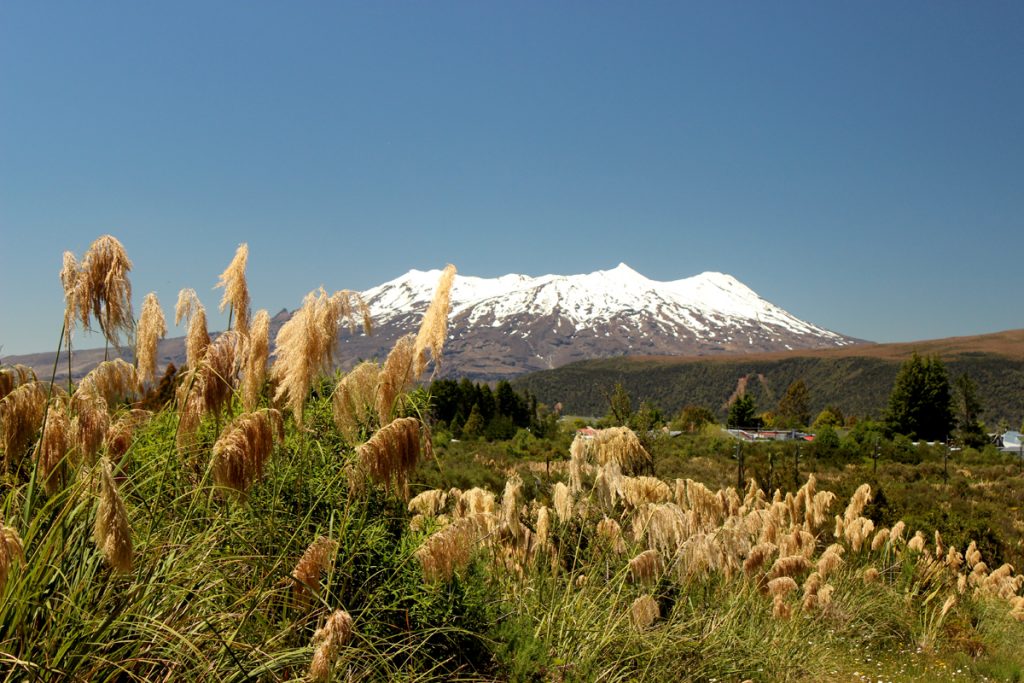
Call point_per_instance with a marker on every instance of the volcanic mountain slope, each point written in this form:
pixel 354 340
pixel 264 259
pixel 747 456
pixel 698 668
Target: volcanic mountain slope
pixel 514 324
pixel 505 326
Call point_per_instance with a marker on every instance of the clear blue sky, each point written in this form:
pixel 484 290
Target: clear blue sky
pixel 859 164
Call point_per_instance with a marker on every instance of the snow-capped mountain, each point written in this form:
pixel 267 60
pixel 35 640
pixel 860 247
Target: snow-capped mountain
pixel 513 324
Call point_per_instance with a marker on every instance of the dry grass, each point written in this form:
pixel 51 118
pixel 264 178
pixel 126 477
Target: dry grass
pixel 392 453
pixel 254 364
pixel 152 328
pixel 328 640
pixel 21 415
pixel 315 562
pixel 121 433
pixel 242 451
pixel 396 377
pixel 305 344
pixel 102 289
pixel 434 328
pixel 13 377
pixel 644 612
pixel 236 290
pixel 113 380
pixel 354 401
pixel 54 446
pixel 12 552
pixel 112 533
pixel 90 423
pixel 197 338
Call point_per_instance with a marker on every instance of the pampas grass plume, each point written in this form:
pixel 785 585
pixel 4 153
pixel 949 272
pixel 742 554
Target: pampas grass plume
pixel 111 531
pixel 315 561
pixel 434 328
pixel 103 291
pixel 12 551
pixel 354 399
pixel 254 365
pixel 197 338
pixel 328 640
pixel 55 444
pixel 392 453
pixel 152 328
pixel 242 451
pixel 644 612
pixel 21 414
pixel 236 290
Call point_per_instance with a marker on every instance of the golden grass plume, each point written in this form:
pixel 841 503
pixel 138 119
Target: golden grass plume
pixel 242 451
pixel 315 561
pixel 644 612
pixel 328 640
pixel 305 344
pixel 430 503
pixel 111 531
pixel 103 290
pixel 152 328
pixel 114 380
pixel 90 424
pixel 434 328
pixel 121 432
pixel 254 363
pixel 392 453
pixel 621 445
pixel 236 290
pixel 21 415
pixel 449 550
pixel 354 400
pixel 396 377
pixel 12 551
pixel 197 338
pixel 646 567
pixel 56 442
pixel 14 376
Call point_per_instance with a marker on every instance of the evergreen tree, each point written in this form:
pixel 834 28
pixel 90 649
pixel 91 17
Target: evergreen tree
pixel 620 406
pixel 474 427
pixel 743 413
pixel 919 404
pixel 968 412
pixel 795 406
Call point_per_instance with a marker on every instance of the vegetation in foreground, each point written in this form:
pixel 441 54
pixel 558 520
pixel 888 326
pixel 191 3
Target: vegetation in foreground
pixel 263 530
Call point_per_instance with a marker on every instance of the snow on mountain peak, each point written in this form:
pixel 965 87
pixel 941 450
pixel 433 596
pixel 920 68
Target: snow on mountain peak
pixel 703 304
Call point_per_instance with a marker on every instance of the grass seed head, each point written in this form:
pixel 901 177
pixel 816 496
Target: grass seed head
pixel 241 453
pixel 152 328
pixel 392 453
pixel 236 290
pixel 396 377
pixel 434 328
pixel 644 612
pixel 254 364
pixel 646 567
pixel 197 339
pixel 103 291
pixel 328 640
pixel 21 414
pixel 315 561
pixel 111 531
pixel 562 500
pixel 12 551
pixel 55 445
pixel 354 399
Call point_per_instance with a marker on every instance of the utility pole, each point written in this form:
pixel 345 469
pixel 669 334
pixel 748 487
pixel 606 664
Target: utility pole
pixel 874 466
pixel 739 466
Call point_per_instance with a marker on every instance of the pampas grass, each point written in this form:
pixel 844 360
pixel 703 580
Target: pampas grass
pixel 12 551
pixel 189 308
pixel 54 445
pixel 236 290
pixel 220 373
pixel 354 401
pixel 21 414
pixel 152 328
pixel 242 451
pixel 121 432
pixel 392 453
pixel 434 328
pixel 13 377
pixel 396 377
pixel 305 344
pixel 113 380
pixel 90 424
pixel 254 364
pixel 111 532
pixel 316 561
pixel 450 549
pixel 644 612
pixel 646 567
pixel 102 289
pixel 327 641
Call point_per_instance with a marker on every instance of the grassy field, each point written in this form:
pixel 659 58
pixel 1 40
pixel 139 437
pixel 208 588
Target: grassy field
pixel 272 522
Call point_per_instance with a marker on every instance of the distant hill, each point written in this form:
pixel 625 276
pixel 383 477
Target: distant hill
pixel 857 379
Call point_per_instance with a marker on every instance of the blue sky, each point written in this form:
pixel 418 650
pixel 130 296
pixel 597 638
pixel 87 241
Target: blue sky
pixel 859 164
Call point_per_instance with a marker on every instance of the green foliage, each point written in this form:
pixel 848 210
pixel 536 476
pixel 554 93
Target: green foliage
pixel 920 404
pixel 828 418
pixel 620 406
pixel 693 418
pixel 795 406
pixel 968 411
pixel 856 385
pixel 743 413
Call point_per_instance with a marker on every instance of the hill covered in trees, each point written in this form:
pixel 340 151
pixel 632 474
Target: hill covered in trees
pixel 856 380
